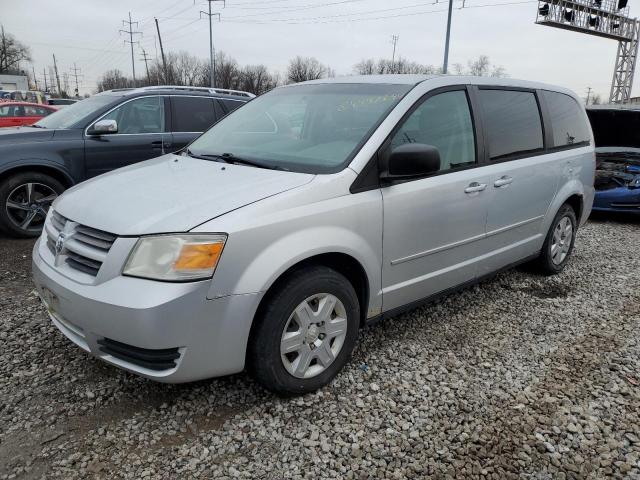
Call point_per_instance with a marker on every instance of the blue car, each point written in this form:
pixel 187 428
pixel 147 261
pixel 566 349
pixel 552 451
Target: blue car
pixel 616 129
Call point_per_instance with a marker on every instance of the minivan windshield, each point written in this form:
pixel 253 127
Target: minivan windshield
pixel 315 128
pixel 69 117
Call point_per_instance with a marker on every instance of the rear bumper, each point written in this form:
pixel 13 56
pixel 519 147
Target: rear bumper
pixel 165 331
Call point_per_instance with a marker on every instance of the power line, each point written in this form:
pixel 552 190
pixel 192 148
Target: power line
pixel 75 71
pixel 131 33
pixel 145 57
pixel 314 20
pixel 212 60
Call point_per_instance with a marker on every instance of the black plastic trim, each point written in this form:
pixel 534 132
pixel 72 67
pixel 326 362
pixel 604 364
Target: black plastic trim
pixel 161 359
pixel 436 296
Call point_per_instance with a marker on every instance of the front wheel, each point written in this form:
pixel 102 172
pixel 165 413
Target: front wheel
pixel 25 199
pixel 306 332
pixel 559 243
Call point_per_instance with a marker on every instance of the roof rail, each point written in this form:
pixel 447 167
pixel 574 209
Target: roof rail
pixel 188 88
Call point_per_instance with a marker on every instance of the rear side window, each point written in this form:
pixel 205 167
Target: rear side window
pixel 192 114
pixel 512 122
pixel 568 123
pixel 230 105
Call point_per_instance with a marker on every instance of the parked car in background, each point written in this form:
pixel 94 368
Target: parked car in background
pixel 616 129
pixel 61 102
pixel 30 96
pixel 309 212
pixel 14 114
pixel 98 134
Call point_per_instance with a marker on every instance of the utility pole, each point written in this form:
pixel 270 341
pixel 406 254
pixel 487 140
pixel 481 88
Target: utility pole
pixel 35 79
pixel 212 57
pixel 588 94
pixel 164 60
pixel 131 33
pixel 145 57
pixel 55 69
pixel 394 41
pixel 44 72
pixel 75 71
pixel 445 64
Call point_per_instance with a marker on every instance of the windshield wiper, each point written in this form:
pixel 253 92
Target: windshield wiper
pixel 231 158
pixel 37 126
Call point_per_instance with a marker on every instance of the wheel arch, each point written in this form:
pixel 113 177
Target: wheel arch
pixel 345 264
pixel 41 167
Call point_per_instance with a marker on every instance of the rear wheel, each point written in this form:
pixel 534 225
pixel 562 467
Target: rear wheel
pixel 306 332
pixel 559 243
pixel 25 199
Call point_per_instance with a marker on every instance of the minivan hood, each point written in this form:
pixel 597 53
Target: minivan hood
pixel 170 194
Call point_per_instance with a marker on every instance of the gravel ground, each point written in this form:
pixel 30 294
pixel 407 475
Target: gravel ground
pixel 519 377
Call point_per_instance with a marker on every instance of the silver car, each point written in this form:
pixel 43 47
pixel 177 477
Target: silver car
pixel 309 212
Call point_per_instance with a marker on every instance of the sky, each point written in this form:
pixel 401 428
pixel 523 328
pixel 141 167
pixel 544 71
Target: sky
pixel 339 33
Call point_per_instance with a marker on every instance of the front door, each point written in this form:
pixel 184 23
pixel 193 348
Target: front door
pixel 141 135
pixel 433 226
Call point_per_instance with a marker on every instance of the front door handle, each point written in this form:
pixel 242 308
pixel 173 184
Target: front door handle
pixel 503 181
pixel 475 187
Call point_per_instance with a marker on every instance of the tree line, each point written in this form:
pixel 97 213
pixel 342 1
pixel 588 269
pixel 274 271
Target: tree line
pixel 182 68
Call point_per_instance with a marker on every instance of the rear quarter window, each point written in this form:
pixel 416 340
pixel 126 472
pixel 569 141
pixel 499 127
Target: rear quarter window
pixel 192 114
pixel 568 123
pixel 230 105
pixel 512 123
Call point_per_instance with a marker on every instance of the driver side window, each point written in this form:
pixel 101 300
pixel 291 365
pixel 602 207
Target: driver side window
pixel 443 121
pixel 143 115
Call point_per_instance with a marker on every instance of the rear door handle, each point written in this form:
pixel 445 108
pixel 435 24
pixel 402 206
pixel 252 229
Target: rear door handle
pixel 475 187
pixel 160 144
pixel 503 181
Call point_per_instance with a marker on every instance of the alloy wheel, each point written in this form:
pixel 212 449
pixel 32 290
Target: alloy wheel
pixel 27 205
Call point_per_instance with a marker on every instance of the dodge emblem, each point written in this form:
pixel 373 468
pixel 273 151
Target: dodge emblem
pixel 60 243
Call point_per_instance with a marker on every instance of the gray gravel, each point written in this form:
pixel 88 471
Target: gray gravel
pixel 520 377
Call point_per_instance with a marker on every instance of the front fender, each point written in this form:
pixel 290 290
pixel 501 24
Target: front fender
pixel 259 252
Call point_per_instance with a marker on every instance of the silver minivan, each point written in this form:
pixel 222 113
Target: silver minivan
pixel 309 212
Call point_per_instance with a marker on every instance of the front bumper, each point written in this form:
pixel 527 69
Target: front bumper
pixel 209 335
pixel 624 200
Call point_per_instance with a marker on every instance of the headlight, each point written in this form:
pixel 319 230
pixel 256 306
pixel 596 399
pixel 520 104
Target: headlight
pixel 175 257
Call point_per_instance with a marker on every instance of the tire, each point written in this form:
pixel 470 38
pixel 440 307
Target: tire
pixel 310 290
pixel 553 259
pixel 25 198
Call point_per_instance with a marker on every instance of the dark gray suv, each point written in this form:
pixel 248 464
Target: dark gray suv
pixel 101 133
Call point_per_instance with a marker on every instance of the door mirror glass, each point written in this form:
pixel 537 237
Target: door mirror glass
pixel 413 160
pixel 104 127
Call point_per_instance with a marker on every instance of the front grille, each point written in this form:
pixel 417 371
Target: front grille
pixel 85 248
pixel 163 359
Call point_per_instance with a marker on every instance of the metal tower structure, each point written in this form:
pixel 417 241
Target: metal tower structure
pixel 602 18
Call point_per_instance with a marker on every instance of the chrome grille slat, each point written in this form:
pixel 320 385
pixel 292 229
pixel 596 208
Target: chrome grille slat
pixel 85 247
pixel 94 233
pixel 84 260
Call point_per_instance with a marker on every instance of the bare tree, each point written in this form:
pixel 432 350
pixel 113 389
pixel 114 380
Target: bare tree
pixel 257 79
pixel 113 79
pixel 365 67
pixel 12 53
pixel 384 66
pixel 596 99
pixel 302 69
pixel 482 67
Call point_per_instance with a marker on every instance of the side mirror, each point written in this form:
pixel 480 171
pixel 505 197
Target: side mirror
pixel 412 160
pixel 104 127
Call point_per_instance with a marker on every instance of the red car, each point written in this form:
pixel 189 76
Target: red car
pixel 14 114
